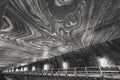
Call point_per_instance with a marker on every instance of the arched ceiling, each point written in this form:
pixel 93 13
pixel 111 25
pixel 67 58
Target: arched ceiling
pixel 32 30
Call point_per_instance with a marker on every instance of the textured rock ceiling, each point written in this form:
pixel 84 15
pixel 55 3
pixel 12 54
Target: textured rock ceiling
pixel 32 30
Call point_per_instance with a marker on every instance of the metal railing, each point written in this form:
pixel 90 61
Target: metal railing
pixel 75 72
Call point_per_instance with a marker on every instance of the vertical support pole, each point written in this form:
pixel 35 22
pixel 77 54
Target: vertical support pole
pixel 66 72
pixel 101 73
pixel 51 72
pixel 86 72
pixel 75 72
pixel 58 72
pixel 42 72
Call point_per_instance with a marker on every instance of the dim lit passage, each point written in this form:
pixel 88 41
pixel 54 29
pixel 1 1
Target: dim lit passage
pixel 60 39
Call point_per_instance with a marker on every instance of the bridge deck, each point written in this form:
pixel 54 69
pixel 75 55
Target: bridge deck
pixel 93 72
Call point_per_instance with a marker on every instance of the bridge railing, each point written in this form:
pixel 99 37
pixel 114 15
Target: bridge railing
pixel 77 71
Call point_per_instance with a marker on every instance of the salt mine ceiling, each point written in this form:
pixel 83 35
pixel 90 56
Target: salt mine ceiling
pixel 32 30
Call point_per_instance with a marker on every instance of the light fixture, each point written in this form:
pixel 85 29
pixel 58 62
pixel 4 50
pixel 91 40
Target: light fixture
pixel 12 69
pixel 33 68
pixel 23 64
pixel 65 65
pixel 25 69
pixel 46 67
pixel 22 69
pixel 103 62
pixel 17 70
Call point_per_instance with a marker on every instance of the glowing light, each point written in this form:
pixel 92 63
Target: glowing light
pixel 12 70
pixel 33 68
pixel 23 64
pixel 22 69
pixel 46 67
pixel 7 70
pixel 65 65
pixel 103 62
pixel 17 70
pixel 25 68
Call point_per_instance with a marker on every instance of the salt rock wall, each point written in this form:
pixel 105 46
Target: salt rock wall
pixel 36 29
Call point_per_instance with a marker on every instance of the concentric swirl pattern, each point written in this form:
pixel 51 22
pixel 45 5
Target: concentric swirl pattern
pixel 46 28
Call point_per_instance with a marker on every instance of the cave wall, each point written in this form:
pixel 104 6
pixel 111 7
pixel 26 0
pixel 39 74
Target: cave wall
pixel 86 57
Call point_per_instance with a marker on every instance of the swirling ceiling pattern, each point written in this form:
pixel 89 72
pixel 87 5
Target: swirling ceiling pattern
pixel 44 28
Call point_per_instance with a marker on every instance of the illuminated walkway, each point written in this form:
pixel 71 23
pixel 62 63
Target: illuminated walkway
pixel 87 72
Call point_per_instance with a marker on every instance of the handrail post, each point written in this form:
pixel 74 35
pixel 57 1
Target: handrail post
pixel 86 72
pixel 42 72
pixel 58 72
pixel 46 72
pixel 75 72
pixel 51 72
pixel 100 71
pixel 66 72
